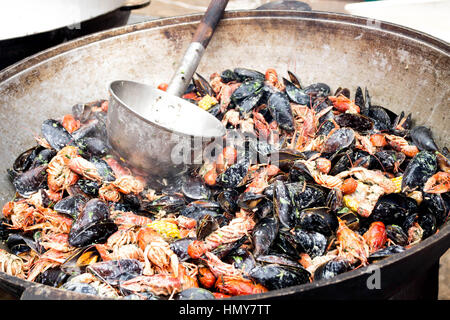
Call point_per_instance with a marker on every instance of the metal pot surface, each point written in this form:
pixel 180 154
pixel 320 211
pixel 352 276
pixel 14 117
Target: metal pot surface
pixel 402 68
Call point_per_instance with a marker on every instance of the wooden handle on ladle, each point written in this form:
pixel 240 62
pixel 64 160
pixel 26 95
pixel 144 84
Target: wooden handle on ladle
pixel 194 53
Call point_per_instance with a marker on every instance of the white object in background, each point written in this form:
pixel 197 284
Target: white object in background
pixel 27 17
pixel 429 16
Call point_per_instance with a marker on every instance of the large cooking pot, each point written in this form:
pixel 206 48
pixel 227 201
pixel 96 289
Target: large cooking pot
pixel 402 68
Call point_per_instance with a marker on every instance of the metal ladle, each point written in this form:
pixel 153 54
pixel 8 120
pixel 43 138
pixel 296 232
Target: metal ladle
pixel 158 132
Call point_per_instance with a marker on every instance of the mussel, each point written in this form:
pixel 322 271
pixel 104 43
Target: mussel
pixel 93 225
pixel 275 277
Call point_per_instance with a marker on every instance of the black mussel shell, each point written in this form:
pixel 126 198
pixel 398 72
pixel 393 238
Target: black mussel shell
pixel 331 269
pixel 355 121
pixel 397 235
pixel 264 208
pixel 391 208
pixel 230 248
pixel 202 85
pixel 305 196
pixel 296 95
pixel 26 158
pixel 115 271
pixel 428 224
pixel 228 200
pixel 71 205
pixel 380 117
pixel 247 89
pixel 320 220
pixel 389 160
pixel 194 188
pixel 53 277
pixel 437 205
pixel 17 244
pixel 92 146
pixel 205 226
pixel 103 169
pixel 311 242
pixel 194 294
pixel 55 134
pixel 264 234
pixel 282 205
pixel 169 203
pixel 325 128
pixel 423 139
pixel 335 200
pixel 249 200
pixel 244 74
pixel 95 128
pixel 235 175
pixel 386 252
pixel 89 187
pixel 419 170
pixel 198 209
pixel 31 181
pixel 228 76
pixel 43 158
pixel 318 89
pixel 242 259
pixel 280 108
pixel 248 103
pixel 340 139
pixel 278 259
pixel 92 225
pixel 275 277
pixel 359 98
pixel 180 247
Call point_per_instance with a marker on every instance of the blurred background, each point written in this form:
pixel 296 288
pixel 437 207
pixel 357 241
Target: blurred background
pixel 30 26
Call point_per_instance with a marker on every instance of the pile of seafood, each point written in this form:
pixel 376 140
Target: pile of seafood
pixel 336 184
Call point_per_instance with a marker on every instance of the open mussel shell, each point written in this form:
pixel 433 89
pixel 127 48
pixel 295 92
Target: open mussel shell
pixel 103 169
pixel 92 146
pixel 419 170
pixel 396 234
pixel 205 226
pixel 320 220
pixel 25 159
pixel 228 200
pixel 264 234
pixel 318 89
pixel 78 261
pixel 115 271
pixel 331 269
pixel 249 200
pixel 17 243
pixel 275 277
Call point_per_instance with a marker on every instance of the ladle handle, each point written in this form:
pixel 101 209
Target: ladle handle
pixel 194 52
